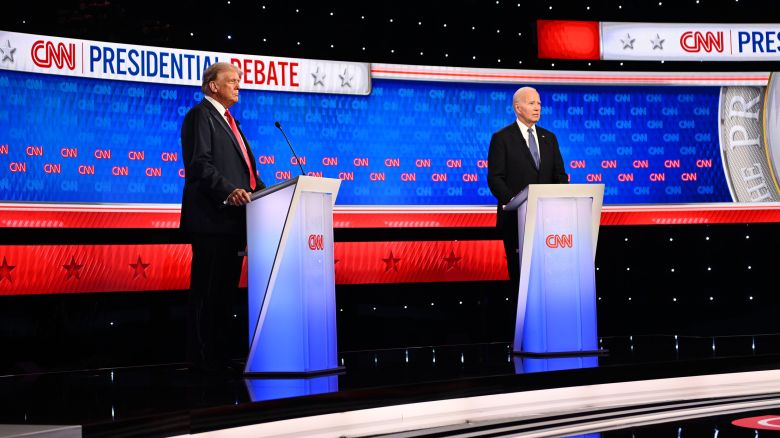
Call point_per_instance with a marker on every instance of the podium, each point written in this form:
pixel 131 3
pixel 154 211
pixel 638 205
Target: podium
pixel 272 389
pixel 558 228
pixel 291 279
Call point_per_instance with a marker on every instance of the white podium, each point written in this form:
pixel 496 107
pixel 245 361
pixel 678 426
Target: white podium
pixel 558 227
pixel 291 279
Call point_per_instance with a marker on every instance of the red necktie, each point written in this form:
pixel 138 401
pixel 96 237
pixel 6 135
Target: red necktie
pixel 234 128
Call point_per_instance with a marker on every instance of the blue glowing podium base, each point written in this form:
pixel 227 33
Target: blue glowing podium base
pixel 291 279
pixel 556 304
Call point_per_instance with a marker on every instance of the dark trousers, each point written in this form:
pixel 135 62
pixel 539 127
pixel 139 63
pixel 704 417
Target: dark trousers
pixel 214 276
pixel 511 243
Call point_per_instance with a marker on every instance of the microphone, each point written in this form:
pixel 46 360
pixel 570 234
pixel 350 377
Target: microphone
pixel 297 160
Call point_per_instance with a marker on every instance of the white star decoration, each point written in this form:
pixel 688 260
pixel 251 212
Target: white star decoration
pixel 7 52
pixel 657 42
pixel 346 79
pixel 628 43
pixel 319 78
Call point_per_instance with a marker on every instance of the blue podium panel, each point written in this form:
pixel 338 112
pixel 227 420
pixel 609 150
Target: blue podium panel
pixel 263 237
pixel 524 365
pixel 319 281
pixel 292 317
pixel 271 389
pixel 556 305
pixel 560 311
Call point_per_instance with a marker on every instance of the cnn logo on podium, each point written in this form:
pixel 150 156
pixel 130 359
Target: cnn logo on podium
pixel 559 241
pixel 316 242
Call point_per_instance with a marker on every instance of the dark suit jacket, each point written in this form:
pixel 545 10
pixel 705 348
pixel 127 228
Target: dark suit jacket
pixel 214 166
pixel 511 166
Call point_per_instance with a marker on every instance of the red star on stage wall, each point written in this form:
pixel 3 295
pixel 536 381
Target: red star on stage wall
pixel 139 268
pixel 391 262
pixel 451 260
pixel 73 269
pixel 424 261
pixel 36 268
pixel 5 271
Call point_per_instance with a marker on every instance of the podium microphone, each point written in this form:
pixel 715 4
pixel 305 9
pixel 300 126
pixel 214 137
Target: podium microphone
pixel 297 160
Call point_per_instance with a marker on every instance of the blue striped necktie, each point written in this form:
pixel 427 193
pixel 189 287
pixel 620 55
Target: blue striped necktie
pixel 533 147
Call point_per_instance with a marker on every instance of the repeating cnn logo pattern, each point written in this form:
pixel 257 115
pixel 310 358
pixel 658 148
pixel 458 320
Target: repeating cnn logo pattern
pixel 559 241
pixel 316 242
pixel 46 53
pixel 650 145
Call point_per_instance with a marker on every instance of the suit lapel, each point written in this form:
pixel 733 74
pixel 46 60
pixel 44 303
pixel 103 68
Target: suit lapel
pixel 542 142
pixel 221 122
pixel 524 150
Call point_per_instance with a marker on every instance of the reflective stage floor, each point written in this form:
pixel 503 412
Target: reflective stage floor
pixel 654 386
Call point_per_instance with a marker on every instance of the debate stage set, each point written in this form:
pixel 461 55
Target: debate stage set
pixel 374 297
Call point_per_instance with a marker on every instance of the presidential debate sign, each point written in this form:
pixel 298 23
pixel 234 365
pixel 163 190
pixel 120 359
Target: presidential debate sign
pixel 87 122
pixel 94 59
pixel 690 42
pixel 563 39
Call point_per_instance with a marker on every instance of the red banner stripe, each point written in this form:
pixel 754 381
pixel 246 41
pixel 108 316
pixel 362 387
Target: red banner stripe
pixel 559 39
pixel 419 262
pixel 55 269
pixel 47 269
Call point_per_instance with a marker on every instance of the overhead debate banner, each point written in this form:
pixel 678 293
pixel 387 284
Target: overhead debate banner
pixel 658 41
pixel 124 62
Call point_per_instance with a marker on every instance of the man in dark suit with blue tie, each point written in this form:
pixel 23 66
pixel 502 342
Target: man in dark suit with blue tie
pixel 220 174
pixel 520 154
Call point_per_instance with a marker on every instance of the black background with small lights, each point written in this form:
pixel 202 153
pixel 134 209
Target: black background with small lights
pixel 470 33
pixel 686 280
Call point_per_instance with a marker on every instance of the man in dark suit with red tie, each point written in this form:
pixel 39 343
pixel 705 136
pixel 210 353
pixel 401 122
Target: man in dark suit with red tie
pixel 520 154
pixel 220 175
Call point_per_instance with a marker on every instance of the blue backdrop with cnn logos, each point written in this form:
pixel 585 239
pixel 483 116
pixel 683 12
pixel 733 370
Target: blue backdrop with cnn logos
pixel 66 139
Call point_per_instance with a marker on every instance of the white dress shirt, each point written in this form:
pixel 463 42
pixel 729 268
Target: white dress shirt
pixel 524 131
pixel 221 109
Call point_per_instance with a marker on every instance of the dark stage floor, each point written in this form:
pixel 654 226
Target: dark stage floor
pixel 170 400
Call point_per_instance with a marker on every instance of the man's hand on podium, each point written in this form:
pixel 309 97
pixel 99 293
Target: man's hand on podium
pixel 238 197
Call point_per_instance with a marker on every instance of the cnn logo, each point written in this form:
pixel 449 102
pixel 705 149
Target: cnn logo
pixel 316 242
pixel 559 241
pixel 45 53
pixel 694 42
